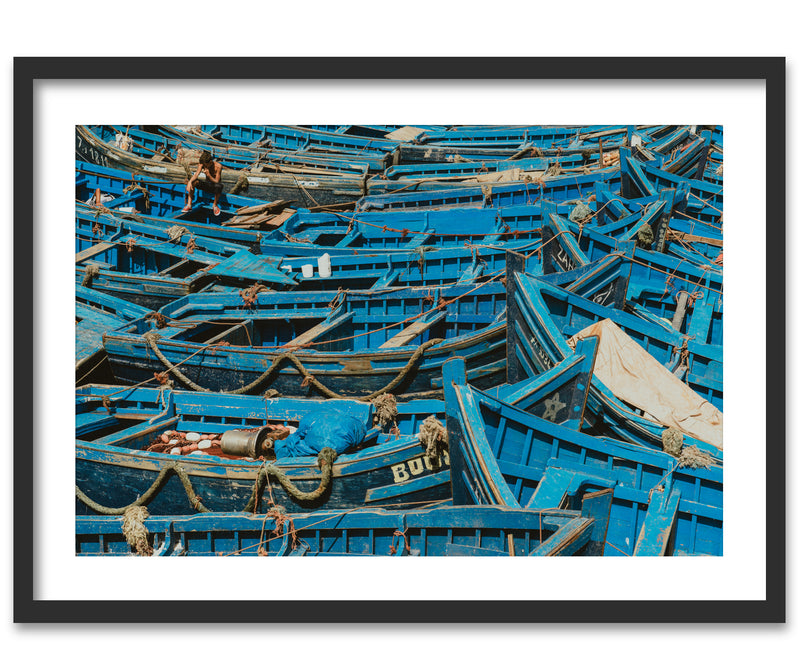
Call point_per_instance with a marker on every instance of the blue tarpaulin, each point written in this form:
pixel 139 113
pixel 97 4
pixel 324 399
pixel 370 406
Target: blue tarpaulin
pixel 322 428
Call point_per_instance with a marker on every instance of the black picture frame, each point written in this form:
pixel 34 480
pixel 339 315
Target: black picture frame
pixel 772 609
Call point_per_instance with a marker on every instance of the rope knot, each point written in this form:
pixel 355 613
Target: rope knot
pixel 250 294
pixel 160 320
pixel 176 232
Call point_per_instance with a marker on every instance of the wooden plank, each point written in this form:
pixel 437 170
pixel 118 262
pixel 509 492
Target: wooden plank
pixel 80 257
pixel 413 330
pixel 323 327
pixel 567 540
pixel 658 523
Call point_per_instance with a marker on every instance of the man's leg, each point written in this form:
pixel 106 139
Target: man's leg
pixel 217 191
pixel 189 195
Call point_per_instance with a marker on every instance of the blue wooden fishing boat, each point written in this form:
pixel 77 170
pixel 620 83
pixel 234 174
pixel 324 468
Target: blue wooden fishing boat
pixel 300 138
pixel 680 290
pixel 504 456
pixel 299 343
pixel 95 223
pixel 535 345
pixel 155 267
pixel 95 313
pixel 166 147
pixel 136 194
pixel 451 531
pixel 515 136
pixel 558 314
pixel 704 201
pixel 440 176
pixel 305 190
pixel 438 261
pixel 337 233
pixel 122 457
pixel 558 189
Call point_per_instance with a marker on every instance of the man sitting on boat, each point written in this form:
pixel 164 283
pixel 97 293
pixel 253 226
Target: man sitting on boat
pixel 213 181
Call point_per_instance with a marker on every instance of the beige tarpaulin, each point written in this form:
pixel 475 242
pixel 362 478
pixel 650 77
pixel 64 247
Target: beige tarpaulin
pixel 637 378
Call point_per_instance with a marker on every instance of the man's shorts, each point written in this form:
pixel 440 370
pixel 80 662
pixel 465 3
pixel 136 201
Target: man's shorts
pixel 209 187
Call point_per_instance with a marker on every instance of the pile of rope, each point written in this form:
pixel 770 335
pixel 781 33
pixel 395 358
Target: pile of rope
pixel 693 457
pixel 134 530
pixel 672 440
pixel 385 409
pixel 278 513
pixel 689 456
pixel 160 320
pixel 644 237
pixel 433 435
pixel 580 212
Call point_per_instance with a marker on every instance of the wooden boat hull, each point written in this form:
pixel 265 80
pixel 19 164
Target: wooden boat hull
pixel 447 531
pixel 312 343
pixel 114 467
pixel 303 190
pixel 502 454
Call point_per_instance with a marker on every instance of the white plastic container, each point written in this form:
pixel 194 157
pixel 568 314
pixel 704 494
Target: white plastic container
pixel 324 264
pixel 308 270
pixel 286 268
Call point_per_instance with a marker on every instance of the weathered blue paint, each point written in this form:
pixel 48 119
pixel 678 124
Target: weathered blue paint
pixel 444 531
pixel 114 467
pixel 525 449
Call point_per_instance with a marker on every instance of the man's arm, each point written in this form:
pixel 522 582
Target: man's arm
pixel 194 177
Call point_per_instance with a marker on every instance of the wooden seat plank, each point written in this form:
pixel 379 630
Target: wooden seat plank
pixel 413 330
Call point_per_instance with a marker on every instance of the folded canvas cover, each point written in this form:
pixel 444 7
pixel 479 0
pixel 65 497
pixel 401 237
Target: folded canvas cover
pixel 636 377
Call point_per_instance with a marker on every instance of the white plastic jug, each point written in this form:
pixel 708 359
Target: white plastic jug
pixel 308 270
pixel 324 264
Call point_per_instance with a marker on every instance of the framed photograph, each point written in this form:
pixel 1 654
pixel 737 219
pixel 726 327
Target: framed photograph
pixel 653 131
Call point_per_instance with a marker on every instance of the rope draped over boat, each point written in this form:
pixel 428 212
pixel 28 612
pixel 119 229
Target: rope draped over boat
pixel 135 513
pixel 151 337
pixel 90 272
pixel 325 460
pixel 158 318
pixel 163 475
pixel 433 435
pixel 135 531
pixel 141 188
pixel 242 185
pixel 385 409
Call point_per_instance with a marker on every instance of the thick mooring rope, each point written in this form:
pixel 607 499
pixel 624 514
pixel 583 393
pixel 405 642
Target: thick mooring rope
pixel 135 531
pixel 325 461
pixel 151 337
pixel 150 494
